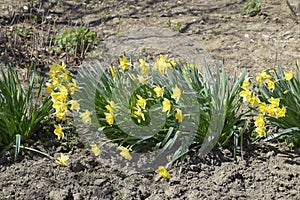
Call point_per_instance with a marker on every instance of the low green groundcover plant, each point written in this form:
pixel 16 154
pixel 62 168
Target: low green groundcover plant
pixel 75 41
pixel 22 108
pixel 251 8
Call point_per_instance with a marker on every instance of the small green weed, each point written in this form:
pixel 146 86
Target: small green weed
pixel 76 41
pixel 252 8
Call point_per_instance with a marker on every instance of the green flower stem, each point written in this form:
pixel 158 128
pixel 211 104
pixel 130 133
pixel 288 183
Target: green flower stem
pixel 37 151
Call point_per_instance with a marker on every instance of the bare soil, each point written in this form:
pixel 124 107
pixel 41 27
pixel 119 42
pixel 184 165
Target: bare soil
pixel 264 173
pixel 214 29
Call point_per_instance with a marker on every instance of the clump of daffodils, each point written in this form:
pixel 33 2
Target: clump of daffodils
pixel 145 107
pixel 142 100
pixel 262 95
pixel 61 86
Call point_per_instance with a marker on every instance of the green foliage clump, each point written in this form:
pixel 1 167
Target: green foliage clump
pixel 277 105
pixel 150 107
pixel 21 107
pixel 252 8
pixel 75 41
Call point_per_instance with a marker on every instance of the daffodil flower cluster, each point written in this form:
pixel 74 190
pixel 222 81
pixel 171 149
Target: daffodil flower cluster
pixel 162 64
pixel 149 93
pixel 60 87
pixel 266 107
pixel 109 115
pixel 124 63
pixel 141 106
pixel 264 77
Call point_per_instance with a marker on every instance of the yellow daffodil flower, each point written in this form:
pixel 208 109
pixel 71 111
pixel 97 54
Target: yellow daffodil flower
pixel 173 63
pixel 144 67
pixel 86 117
pixel 141 101
pixel 271 110
pixel 264 74
pixel 253 100
pixel 74 105
pixel 185 71
pixel 288 75
pixel 271 85
pixel 178 115
pixel 158 91
pixel 111 107
pixel 63 160
pixel 245 85
pixel 139 113
pixel 96 149
pixel 259 79
pixel 176 93
pixel 274 102
pixel 61 114
pixel 262 107
pixel 246 94
pixel 123 63
pixel 61 110
pixel 66 76
pixel 161 64
pixel 125 152
pixel 163 172
pixel 61 67
pixel 58 96
pixel 166 105
pixel 112 104
pixel 59 131
pixel 49 87
pixel 113 71
pixel 55 82
pixel 61 107
pixel 52 74
pixel 56 69
pixel 260 131
pixel 58 105
pixel 259 120
pixel 109 117
pixel 280 112
pixel 72 86
pixel 64 90
pixel 192 66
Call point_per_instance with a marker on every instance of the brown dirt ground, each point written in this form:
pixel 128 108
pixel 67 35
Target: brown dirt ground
pixel 250 43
